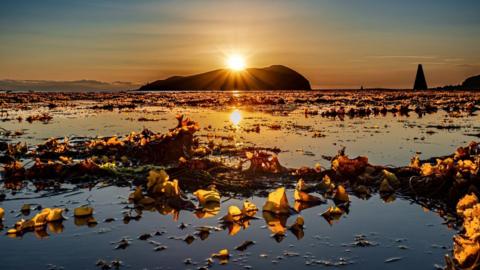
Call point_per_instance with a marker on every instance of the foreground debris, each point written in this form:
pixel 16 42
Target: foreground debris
pixel 466 248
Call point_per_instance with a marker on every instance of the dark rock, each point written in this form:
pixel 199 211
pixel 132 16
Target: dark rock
pixel 244 245
pixel 420 82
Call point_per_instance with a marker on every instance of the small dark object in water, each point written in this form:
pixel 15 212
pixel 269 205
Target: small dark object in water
pixel 160 248
pixel 244 245
pixel 144 236
pixel 361 241
pixel 189 239
pixel 122 244
pixel 104 265
pixel 182 226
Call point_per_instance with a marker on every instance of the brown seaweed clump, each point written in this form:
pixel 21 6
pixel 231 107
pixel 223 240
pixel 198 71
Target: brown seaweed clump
pixel 466 246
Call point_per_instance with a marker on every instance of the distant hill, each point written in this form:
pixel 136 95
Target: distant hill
pixel 69 86
pixel 276 77
pixel 471 83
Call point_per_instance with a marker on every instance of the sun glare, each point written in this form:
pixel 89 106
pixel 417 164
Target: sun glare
pixel 235 117
pixel 236 62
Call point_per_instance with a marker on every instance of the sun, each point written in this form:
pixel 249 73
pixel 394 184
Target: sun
pixel 236 62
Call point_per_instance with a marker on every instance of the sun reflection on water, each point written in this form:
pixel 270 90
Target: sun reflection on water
pixel 236 117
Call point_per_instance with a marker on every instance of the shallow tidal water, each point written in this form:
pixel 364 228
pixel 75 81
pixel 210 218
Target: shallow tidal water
pixel 403 234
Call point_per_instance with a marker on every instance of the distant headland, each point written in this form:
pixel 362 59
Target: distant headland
pixel 276 77
pixel 471 83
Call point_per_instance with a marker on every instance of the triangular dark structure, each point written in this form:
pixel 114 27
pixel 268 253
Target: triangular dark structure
pixel 420 82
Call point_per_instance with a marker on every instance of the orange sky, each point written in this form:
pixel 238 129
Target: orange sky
pixel 335 44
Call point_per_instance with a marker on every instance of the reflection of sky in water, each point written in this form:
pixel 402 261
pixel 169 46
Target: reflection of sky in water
pixel 389 225
pixel 385 140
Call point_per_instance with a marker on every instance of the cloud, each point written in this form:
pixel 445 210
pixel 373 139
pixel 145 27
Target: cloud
pixel 454 59
pixel 469 65
pixel 403 57
pixel 79 85
pixel 429 63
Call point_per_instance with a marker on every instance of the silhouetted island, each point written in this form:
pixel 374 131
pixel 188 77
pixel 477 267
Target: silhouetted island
pixel 276 77
pixel 471 83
